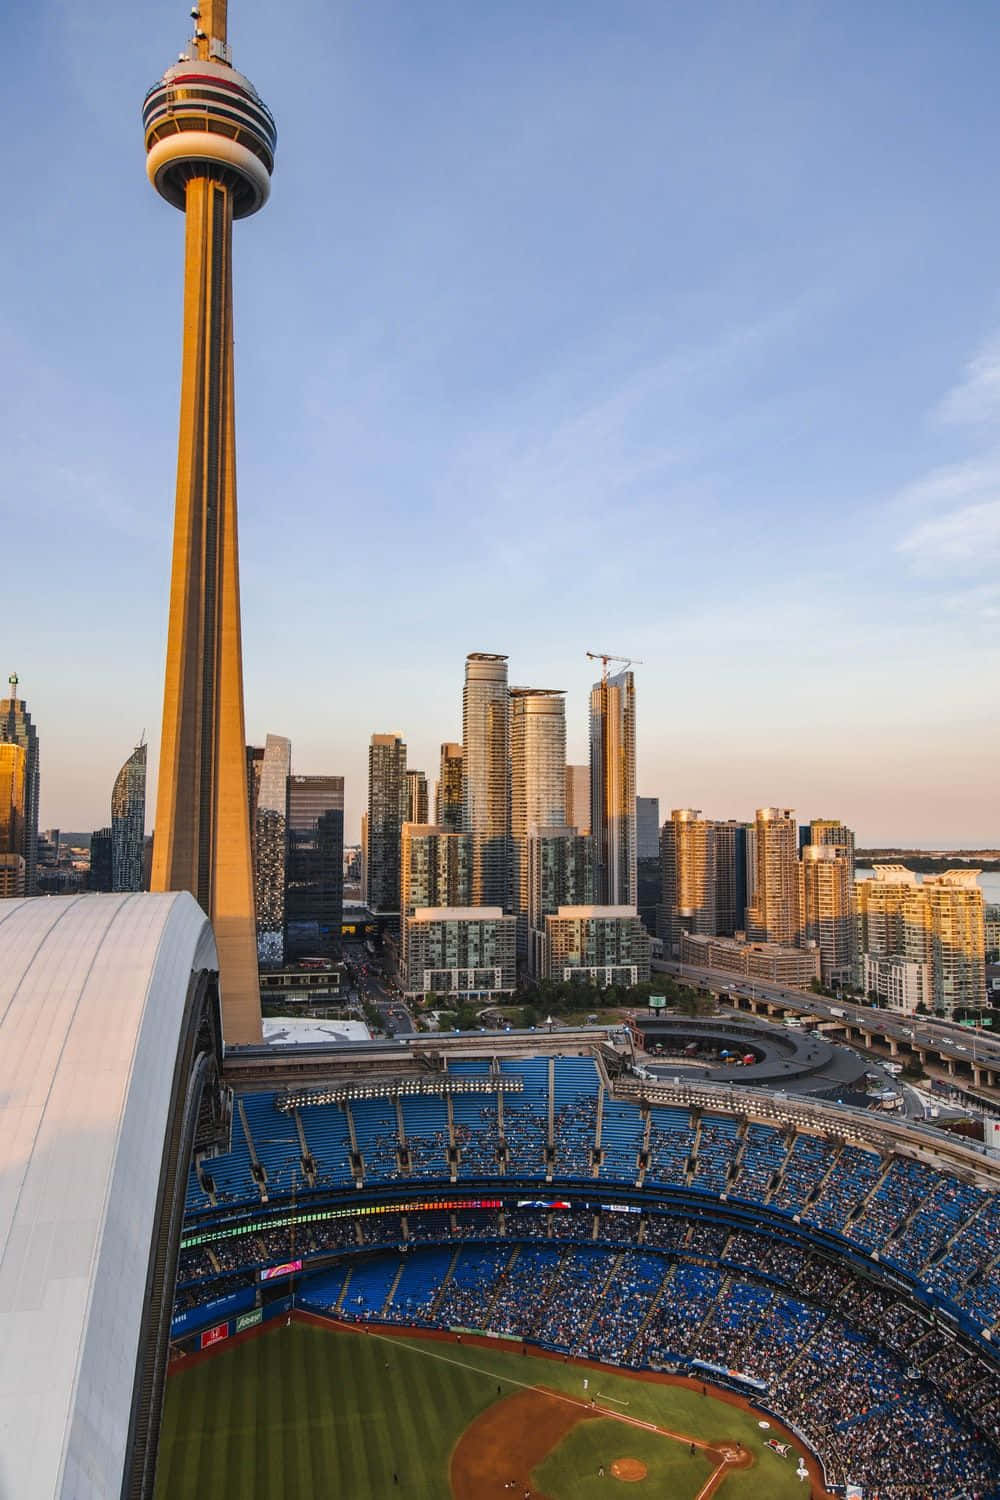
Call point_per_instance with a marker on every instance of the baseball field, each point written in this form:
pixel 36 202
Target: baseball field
pixel 307 1412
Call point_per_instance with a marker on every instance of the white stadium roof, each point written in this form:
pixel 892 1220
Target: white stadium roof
pixel 93 991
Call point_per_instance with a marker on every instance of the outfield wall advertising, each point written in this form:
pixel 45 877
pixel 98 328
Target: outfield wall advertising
pixel 193 1318
pixel 214 1335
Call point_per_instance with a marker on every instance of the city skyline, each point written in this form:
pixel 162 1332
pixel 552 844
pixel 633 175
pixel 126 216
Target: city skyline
pixel 702 398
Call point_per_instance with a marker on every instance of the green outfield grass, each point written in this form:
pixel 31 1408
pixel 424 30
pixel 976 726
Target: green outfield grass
pixel 308 1413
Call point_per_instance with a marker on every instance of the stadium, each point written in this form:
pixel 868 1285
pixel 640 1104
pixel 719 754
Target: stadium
pixel 459 1264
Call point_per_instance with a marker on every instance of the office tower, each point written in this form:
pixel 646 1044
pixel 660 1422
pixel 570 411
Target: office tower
pixel 647 827
pixel 314 882
pixel 16 728
pixel 826 909
pixel 255 760
pixel 463 952
pixel 13 761
pixel 364 857
pixel 730 877
pixel 485 776
pixel 687 860
pixel 210 152
pixel 560 873
pixel 605 944
pixel 101 860
pixel 939 922
pixel 386 815
pixel 448 809
pixel 537 785
pixel 271 841
pixel 578 798
pixel 612 788
pixel 128 822
pixel 829 832
pixel 773 916
pixel 417 806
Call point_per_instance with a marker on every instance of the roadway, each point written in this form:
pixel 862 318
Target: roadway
pixel 372 986
pixel 964 1047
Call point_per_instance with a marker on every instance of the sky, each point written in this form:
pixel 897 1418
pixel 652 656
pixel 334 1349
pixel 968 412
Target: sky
pixel 660 329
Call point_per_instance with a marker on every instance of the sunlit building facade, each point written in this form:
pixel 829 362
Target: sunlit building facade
pixel 939 922
pixel 16 728
pixel 417 805
pixel 486 776
pixel 830 832
pixel 773 914
pixel 271 843
pixel 537 786
pixel 448 802
pixel 826 909
pixel 605 944
pixel 13 761
pixel 775 963
pixel 128 823
pixel 387 794
pixel 612 789
pixel 687 861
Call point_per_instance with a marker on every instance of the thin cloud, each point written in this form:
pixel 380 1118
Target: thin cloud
pixel 966 539
pixel 976 397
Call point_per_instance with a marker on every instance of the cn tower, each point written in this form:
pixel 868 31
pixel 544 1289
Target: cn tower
pixel 210 152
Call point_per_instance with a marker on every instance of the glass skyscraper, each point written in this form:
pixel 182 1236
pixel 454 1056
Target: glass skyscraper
pixel 16 728
pixel 612 789
pixel 128 822
pixel 314 887
pixel 485 776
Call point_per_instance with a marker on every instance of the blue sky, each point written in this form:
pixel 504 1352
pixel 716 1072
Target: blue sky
pixel 658 328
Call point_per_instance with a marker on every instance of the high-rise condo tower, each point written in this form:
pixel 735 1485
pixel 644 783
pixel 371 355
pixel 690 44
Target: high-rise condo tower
pixel 486 776
pixel 210 152
pixel 128 822
pixel 537 785
pixel 612 789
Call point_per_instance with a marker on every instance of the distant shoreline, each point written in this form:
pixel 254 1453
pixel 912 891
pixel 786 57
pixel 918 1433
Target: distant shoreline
pixel 924 863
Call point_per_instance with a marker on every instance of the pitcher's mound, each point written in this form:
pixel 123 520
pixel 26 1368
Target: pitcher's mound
pixel 629 1469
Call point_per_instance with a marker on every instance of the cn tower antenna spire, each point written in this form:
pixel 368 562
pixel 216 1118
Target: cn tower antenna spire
pixel 210 23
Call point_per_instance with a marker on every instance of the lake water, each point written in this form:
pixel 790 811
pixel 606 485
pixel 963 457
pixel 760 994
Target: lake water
pixel 990 883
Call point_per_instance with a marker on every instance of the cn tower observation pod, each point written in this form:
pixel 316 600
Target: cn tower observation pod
pixel 110 1055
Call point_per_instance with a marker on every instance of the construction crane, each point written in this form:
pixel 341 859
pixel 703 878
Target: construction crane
pixel 605 656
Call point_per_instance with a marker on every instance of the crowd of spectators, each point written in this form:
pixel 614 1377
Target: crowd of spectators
pixel 941 1231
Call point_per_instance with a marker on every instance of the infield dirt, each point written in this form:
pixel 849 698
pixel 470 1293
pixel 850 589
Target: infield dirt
pixel 508 1441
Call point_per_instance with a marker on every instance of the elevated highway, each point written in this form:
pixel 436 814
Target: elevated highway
pixel 970 1057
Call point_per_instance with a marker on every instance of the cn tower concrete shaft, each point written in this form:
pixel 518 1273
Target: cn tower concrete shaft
pixel 210 151
pixel 202 840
